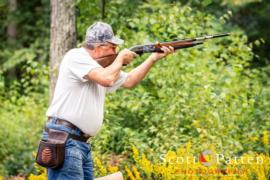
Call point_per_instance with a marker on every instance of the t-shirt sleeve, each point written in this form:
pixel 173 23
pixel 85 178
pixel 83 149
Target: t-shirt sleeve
pixel 122 78
pixel 80 65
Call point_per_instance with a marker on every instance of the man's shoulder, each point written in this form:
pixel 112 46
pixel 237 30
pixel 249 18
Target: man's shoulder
pixel 76 51
pixel 79 53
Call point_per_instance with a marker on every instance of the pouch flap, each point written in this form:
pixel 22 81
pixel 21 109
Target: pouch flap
pixel 57 136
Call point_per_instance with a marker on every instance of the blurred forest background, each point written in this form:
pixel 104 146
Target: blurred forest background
pixel 217 94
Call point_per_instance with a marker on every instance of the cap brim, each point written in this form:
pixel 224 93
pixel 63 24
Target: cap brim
pixel 116 40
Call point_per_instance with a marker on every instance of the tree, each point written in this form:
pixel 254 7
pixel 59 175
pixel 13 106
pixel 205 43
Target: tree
pixel 11 29
pixel 63 35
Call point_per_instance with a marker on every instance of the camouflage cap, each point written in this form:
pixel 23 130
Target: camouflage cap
pixel 100 32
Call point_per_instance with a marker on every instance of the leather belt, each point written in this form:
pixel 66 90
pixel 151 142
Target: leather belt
pixel 83 137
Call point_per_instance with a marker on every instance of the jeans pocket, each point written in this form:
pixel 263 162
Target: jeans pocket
pixel 71 170
pixel 72 149
pixel 73 161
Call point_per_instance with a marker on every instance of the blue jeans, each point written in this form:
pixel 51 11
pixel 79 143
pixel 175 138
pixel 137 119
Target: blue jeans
pixel 78 162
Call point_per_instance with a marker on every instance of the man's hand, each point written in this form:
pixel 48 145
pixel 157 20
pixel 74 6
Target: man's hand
pixel 126 56
pixel 108 75
pixel 157 55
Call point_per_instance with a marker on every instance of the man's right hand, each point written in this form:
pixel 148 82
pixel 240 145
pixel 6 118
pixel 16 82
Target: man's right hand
pixel 126 56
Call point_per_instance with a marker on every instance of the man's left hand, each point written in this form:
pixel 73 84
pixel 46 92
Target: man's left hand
pixel 166 51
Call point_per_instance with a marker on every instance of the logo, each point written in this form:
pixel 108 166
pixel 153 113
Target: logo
pixel 46 155
pixel 207 158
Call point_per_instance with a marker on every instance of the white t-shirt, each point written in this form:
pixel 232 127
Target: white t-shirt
pixel 79 100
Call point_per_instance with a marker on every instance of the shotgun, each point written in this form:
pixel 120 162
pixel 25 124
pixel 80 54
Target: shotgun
pixel 156 47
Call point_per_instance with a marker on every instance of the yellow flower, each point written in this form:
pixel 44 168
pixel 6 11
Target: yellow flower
pixel 265 138
pixel 34 154
pixel 135 153
pixel 1 178
pixel 136 173
pixel 180 151
pixel 159 169
pixel 37 177
pixel 245 167
pixel 254 138
pixel 129 173
pixel 170 157
pixel 39 169
pixel 101 168
pixel 112 169
pixel 189 144
pixel 146 165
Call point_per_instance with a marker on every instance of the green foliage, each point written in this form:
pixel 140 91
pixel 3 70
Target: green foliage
pixel 23 106
pixel 20 123
pixel 207 95
pixel 252 16
pixel 23 83
pixel 31 42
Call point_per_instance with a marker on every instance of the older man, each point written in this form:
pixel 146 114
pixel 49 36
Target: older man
pixel 83 81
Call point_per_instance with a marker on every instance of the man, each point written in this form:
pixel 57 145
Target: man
pixel 83 81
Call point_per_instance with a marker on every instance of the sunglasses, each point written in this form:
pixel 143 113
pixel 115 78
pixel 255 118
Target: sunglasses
pixel 108 45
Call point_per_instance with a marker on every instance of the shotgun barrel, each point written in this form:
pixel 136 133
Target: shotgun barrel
pixel 178 44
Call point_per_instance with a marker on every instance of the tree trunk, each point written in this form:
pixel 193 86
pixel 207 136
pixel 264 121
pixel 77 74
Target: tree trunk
pixel 103 5
pixel 63 35
pixel 12 27
pixel 12 33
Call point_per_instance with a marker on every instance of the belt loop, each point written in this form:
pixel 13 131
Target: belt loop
pixel 78 131
pixel 53 119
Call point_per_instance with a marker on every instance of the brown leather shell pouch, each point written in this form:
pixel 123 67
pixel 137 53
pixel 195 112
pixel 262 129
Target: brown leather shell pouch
pixel 51 152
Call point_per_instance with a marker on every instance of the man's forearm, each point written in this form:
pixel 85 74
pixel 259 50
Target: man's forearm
pixel 108 75
pixel 112 72
pixel 137 74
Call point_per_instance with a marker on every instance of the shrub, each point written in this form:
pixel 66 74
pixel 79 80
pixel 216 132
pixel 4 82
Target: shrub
pixel 21 126
pixel 207 94
pixel 185 163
